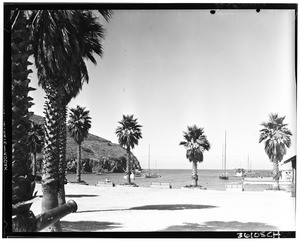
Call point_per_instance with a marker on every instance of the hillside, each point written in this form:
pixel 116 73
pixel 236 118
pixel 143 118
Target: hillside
pixel 98 154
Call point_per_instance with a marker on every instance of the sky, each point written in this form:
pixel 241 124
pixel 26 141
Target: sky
pixel 175 68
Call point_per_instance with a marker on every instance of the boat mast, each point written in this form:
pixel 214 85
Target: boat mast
pixel 225 153
pixel 222 156
pixel 248 163
pixel 149 160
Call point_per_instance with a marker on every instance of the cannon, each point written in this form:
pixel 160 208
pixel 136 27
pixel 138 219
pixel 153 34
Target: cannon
pixel 27 222
pixel 53 215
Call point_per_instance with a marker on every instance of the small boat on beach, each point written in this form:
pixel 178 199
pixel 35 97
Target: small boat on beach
pixel 224 175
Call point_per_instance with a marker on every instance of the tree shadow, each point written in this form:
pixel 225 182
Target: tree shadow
pixel 154 207
pixel 83 195
pixel 172 207
pixel 87 226
pixel 75 195
pixel 101 210
pixel 222 226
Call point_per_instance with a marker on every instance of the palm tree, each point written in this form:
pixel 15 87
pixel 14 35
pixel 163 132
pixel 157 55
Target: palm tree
pixel 23 184
pixel 79 125
pixel 35 141
pixel 21 102
pixel 59 49
pixel 277 138
pixel 196 143
pixel 91 32
pixel 54 43
pixel 61 40
pixel 128 133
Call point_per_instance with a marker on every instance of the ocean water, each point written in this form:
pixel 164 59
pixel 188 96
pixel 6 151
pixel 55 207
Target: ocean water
pixel 179 178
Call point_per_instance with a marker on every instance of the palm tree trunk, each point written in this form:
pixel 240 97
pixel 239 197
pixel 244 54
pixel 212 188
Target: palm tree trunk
pixel 50 178
pixel 20 103
pixel 276 174
pixel 78 170
pixel 194 174
pixel 33 158
pixel 294 184
pixel 128 166
pixel 62 157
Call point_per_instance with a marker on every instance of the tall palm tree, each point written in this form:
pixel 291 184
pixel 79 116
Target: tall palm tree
pixel 57 43
pixel 21 102
pixel 196 143
pixel 78 127
pixel 61 44
pixel 35 142
pixel 128 133
pixel 55 53
pixel 17 33
pixel 90 34
pixel 277 138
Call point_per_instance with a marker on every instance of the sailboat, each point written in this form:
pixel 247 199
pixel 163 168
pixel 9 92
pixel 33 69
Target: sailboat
pixel 250 172
pixel 224 175
pixel 149 174
pixel 249 165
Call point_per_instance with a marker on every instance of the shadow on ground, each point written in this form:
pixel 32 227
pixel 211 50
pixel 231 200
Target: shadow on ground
pixel 171 207
pixel 101 210
pixel 154 207
pixel 87 226
pixel 222 226
pixel 84 195
pixel 76 195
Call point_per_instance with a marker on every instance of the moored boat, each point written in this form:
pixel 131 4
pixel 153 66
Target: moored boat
pixel 152 175
pixel 239 172
pixel 263 180
pixel 224 175
pixel 285 178
pixel 149 174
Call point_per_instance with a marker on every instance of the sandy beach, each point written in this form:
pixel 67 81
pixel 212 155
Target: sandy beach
pixel 139 209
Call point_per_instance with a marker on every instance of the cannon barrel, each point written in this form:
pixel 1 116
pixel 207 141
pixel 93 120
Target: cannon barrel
pixel 53 215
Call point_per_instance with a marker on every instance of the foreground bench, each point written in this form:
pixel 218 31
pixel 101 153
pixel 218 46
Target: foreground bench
pixel 234 187
pixel 105 184
pixel 160 185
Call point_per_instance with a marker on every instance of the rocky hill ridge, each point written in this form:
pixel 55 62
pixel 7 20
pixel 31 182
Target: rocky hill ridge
pixel 98 154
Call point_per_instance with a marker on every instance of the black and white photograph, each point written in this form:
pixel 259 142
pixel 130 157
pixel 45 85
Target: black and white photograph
pixel 148 120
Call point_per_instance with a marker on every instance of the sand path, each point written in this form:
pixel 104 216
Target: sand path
pixel 150 209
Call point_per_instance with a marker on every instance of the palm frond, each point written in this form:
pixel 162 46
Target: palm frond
pixel 79 123
pixel 106 13
pixel 276 136
pixel 128 132
pixel 195 142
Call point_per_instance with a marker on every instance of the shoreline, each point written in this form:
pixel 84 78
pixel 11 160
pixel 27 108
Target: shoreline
pixel 177 179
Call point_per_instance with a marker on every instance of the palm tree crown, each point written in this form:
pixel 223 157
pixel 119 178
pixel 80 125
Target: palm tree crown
pixel 65 38
pixel 129 131
pixel 277 137
pixel 195 142
pixel 79 123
